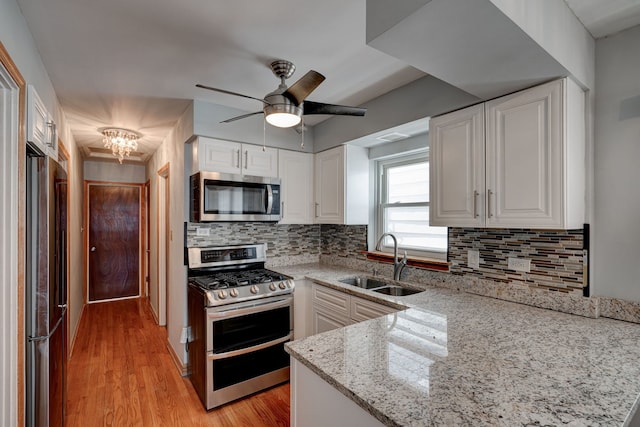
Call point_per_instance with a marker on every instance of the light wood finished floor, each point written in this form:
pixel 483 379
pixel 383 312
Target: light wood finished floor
pixel 121 374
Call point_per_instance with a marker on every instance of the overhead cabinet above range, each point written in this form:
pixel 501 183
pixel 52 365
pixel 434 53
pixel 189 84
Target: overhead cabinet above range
pixel 513 162
pixel 214 155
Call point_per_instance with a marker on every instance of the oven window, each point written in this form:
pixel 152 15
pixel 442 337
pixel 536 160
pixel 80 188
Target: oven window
pixel 252 329
pixel 234 198
pixel 234 370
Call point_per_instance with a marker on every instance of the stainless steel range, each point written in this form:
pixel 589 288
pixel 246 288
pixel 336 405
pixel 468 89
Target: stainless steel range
pixel 240 315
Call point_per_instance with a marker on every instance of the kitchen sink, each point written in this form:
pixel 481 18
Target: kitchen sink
pixel 364 282
pixel 379 286
pixel 396 291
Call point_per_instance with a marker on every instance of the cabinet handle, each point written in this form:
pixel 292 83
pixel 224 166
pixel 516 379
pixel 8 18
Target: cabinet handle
pixel 282 210
pixel 246 159
pixel 52 132
pixel 475 204
pixel 316 210
pixel 238 159
pixel 489 193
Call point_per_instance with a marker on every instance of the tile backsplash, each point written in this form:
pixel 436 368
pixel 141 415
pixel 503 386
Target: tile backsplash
pixel 286 244
pixel 556 256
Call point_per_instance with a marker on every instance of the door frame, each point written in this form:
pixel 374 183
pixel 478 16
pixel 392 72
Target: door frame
pixel 13 173
pixel 163 238
pixel 85 214
pixel 146 238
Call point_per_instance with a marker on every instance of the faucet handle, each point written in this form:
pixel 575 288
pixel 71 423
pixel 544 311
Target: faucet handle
pixel 404 260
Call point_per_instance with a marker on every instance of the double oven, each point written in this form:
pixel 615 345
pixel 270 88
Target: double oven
pixel 240 315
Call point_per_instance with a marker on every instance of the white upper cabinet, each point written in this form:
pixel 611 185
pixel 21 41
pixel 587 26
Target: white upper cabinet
pixel 342 186
pixel 295 170
pixel 41 127
pixel 214 155
pixel 456 153
pixel 532 172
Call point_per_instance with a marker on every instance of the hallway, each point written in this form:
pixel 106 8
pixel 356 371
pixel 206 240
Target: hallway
pixel 121 374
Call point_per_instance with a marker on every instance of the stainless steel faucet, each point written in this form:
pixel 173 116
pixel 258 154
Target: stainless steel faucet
pixel 398 265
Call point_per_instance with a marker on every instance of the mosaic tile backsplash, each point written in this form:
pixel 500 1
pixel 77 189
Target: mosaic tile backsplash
pixel 286 244
pixel 556 256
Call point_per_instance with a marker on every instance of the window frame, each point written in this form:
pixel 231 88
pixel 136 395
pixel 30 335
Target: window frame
pixel 380 188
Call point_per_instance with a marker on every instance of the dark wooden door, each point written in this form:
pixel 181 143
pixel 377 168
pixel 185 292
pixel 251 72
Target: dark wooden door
pixel 114 241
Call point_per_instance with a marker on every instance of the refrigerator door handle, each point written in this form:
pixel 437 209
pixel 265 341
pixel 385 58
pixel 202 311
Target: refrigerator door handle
pixel 46 337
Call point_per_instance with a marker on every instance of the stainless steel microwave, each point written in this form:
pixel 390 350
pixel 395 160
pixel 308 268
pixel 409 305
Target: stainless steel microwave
pixel 227 197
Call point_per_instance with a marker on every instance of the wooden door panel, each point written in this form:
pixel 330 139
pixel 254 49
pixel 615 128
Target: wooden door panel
pixel 114 226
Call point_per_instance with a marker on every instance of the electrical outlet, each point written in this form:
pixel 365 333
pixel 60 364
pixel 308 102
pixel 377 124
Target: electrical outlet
pixel 520 264
pixel 473 259
pixel 202 231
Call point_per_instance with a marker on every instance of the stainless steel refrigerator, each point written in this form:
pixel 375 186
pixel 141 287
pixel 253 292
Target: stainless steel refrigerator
pixel 46 290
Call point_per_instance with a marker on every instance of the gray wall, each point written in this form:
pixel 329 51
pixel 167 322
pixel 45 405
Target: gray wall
pixel 114 172
pixel 616 228
pixel 422 98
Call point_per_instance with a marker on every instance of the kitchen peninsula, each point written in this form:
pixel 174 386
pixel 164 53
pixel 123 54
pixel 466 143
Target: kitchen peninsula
pixel 453 358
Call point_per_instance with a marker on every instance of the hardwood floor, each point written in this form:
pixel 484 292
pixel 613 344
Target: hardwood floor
pixel 121 374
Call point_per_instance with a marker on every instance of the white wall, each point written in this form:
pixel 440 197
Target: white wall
pixel 114 172
pixel 171 151
pixel 616 230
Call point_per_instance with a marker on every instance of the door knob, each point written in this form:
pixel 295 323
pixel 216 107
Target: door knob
pixel 93 248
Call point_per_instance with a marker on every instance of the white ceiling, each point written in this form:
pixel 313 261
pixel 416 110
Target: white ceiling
pixel 135 63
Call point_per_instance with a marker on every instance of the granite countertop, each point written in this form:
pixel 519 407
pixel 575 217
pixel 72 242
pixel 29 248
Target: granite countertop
pixel 453 358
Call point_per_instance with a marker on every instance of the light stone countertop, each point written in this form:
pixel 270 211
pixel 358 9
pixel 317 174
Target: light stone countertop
pixel 454 358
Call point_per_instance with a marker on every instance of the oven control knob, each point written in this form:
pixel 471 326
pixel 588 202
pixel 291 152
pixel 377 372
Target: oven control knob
pixel 282 285
pixel 272 286
pixel 289 283
pixel 233 293
pixel 254 289
pixel 222 294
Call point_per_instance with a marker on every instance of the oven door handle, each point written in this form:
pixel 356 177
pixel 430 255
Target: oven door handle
pixel 234 353
pixel 227 314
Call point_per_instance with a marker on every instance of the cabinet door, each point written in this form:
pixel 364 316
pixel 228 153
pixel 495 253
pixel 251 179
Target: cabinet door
pixel 324 320
pixel 334 300
pixel 38 126
pixel 524 158
pixel 456 161
pixel 362 309
pixel 296 174
pixel 259 161
pixel 213 155
pixel 329 186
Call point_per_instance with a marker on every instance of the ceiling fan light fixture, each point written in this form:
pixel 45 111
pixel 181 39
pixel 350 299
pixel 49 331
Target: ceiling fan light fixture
pixel 283 115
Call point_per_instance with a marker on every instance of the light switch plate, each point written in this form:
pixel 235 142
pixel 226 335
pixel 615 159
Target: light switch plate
pixel 202 231
pixel 520 264
pixel 473 259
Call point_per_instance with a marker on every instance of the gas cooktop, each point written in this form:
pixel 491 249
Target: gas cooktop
pixel 224 280
pixel 230 274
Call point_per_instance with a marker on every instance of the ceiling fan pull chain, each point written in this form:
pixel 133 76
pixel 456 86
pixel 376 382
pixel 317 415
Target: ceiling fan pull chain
pixel 264 134
pixel 302 133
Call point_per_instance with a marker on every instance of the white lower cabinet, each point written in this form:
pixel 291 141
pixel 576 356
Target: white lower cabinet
pixel 315 403
pixel 332 309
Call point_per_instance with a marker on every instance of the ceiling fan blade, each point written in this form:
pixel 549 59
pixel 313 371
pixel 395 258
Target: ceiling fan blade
pixel 310 107
pixel 228 92
pixel 303 87
pixel 233 119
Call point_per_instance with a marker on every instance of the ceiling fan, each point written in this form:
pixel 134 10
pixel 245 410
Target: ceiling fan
pixel 285 106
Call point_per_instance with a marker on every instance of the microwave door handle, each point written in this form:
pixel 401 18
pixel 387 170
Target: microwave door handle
pixel 269 199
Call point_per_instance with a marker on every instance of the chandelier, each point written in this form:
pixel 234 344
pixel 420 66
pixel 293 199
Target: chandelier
pixel 121 141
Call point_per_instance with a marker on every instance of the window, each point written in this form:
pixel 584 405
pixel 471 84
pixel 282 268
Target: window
pixel 402 202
